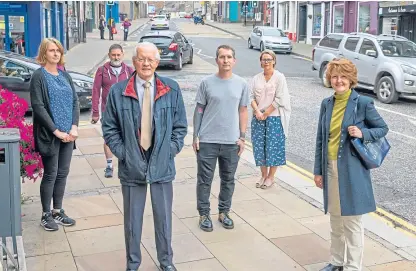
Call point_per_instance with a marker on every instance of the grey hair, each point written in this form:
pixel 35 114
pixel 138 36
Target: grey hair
pixel 146 44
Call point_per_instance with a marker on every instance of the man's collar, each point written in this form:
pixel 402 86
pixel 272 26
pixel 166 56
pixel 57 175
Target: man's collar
pixel 141 81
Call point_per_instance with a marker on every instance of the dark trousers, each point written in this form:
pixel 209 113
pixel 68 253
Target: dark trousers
pixel 207 156
pixel 102 33
pixel 126 34
pixel 134 200
pixel 56 169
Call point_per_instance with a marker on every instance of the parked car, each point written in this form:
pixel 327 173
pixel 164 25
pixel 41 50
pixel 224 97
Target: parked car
pixel 386 64
pixel 188 16
pixel 267 37
pixel 175 50
pixel 16 72
pixel 160 22
pixel 182 14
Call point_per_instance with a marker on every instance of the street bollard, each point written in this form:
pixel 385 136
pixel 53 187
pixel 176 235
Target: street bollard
pixel 11 244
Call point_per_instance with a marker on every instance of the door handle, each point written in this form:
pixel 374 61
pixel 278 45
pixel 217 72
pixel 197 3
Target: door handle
pixel 340 54
pixel 357 58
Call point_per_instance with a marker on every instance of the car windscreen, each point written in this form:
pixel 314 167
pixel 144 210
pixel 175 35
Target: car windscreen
pixel 159 17
pixel 158 40
pixel 273 33
pixel 397 48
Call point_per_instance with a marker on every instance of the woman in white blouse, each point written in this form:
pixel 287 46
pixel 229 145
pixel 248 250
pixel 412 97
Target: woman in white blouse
pixel 270 101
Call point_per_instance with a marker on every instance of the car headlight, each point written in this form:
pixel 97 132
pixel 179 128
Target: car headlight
pixel 408 70
pixel 82 84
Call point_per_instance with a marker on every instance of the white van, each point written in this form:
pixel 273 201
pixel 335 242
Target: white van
pixel 182 14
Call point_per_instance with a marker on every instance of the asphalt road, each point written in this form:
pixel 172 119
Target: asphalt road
pixel 394 182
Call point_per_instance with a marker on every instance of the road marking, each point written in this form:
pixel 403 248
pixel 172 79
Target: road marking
pixel 403 135
pixel 397 113
pixel 303 58
pixel 412 121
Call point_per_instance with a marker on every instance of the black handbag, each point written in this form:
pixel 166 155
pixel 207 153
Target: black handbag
pixel 371 153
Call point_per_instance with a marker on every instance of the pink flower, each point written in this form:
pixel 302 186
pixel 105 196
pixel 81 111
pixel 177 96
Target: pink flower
pixel 12 113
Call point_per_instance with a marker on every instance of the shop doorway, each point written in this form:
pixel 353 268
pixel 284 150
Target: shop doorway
pixel 408 27
pixel 302 22
pixel 12 33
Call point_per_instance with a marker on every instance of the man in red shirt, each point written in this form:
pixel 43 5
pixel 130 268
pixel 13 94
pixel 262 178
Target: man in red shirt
pixel 106 76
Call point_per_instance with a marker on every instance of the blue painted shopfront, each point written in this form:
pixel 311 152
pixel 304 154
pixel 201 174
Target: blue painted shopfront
pixel 20 21
pixel 234 12
pixel 113 12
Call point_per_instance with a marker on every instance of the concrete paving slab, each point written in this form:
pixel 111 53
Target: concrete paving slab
pixel 93 222
pixel 87 206
pixel 395 266
pixel 201 265
pixel 52 262
pixel 313 250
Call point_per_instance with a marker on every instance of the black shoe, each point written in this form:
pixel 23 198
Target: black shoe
pixel 63 219
pixel 108 172
pixel 205 223
pixel 48 223
pixel 331 267
pixel 226 221
pixel 168 268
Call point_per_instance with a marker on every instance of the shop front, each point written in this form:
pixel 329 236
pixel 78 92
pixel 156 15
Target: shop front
pixel 398 20
pixel 15 17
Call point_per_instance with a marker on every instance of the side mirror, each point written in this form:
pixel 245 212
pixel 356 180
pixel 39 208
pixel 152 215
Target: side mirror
pixel 26 76
pixel 371 53
pixel 259 34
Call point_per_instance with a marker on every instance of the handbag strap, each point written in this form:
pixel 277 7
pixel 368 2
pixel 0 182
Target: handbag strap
pixel 355 110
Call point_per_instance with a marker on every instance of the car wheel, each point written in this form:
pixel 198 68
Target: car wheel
pixel 261 47
pixel 250 46
pixel 322 74
pixel 191 58
pixel 386 90
pixel 178 66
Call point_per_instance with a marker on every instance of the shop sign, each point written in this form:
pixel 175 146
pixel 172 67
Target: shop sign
pixel 397 9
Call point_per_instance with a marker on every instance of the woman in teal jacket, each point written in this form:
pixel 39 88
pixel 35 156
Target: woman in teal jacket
pixel 346 183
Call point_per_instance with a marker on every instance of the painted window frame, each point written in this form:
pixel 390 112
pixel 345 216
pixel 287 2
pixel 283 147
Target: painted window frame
pixel 321 30
pixel 358 14
pixel 333 17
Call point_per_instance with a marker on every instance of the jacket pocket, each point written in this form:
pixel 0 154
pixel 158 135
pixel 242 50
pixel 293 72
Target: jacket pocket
pixel 44 135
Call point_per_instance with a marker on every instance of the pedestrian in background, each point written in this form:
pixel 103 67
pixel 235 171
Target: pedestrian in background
pixel 346 182
pixel 101 26
pixel 126 26
pixel 55 129
pixel 111 28
pixel 107 75
pixel 220 123
pixel 270 101
pixel 145 125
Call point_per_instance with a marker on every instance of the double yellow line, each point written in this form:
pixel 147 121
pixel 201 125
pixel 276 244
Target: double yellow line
pixel 381 214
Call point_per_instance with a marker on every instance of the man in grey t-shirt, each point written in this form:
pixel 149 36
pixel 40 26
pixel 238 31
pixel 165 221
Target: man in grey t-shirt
pixel 220 122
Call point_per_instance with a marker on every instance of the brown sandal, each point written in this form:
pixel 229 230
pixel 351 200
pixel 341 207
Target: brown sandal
pixel 260 182
pixel 267 186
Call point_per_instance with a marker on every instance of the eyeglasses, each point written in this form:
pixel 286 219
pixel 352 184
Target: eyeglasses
pixel 143 60
pixel 267 60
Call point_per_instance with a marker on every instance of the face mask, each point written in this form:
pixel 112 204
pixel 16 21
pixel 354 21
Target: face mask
pixel 116 63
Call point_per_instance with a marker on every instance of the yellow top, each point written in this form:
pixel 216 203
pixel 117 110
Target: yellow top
pixel 340 105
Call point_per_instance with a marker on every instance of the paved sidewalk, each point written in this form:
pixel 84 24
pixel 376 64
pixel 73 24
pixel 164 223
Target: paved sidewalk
pixel 86 55
pixel 238 29
pixel 275 230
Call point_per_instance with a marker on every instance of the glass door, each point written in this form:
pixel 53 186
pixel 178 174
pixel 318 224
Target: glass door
pixel 2 32
pixel 12 33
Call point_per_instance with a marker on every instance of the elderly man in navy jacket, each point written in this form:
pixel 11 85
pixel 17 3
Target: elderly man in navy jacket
pixel 144 125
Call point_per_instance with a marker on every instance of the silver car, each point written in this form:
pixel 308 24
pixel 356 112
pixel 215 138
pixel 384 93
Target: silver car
pixel 267 37
pixel 386 64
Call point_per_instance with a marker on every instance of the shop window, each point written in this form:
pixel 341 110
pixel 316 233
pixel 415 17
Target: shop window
pixel 364 18
pixel 317 20
pixel 390 25
pixel 351 44
pixel 367 46
pixel 285 11
pixel 338 19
